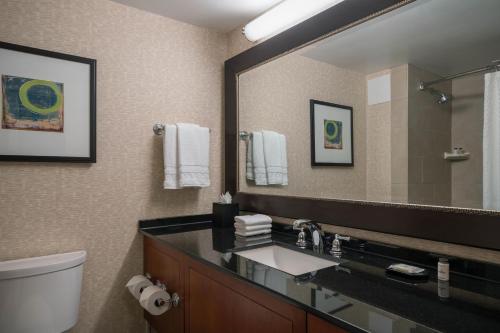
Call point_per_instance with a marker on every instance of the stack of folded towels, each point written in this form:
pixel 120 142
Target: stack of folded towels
pixel 252 225
pixel 252 230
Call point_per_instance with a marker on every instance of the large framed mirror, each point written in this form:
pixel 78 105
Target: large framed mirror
pixel 419 152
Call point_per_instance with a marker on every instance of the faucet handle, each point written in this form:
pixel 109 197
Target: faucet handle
pixel 301 241
pixel 297 224
pixel 336 249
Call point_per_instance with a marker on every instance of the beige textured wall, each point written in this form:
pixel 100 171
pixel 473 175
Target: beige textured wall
pixel 429 136
pixel 237 43
pixel 467 132
pixel 378 148
pixel 419 133
pixel 275 96
pixel 399 134
pixel 149 68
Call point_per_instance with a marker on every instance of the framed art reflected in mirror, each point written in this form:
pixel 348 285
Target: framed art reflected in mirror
pixel 331 134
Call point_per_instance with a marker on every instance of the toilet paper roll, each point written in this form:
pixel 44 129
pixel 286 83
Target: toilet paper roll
pixel 155 300
pixel 137 284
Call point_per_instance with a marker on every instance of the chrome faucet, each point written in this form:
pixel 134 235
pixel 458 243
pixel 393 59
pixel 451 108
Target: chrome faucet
pixel 316 234
pixel 336 250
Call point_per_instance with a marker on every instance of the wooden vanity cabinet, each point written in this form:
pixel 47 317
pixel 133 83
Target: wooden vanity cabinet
pixel 213 301
pixel 165 266
pixel 218 302
pixel 318 325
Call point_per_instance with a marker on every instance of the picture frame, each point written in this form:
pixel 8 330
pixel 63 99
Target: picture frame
pixel 332 134
pixel 47 106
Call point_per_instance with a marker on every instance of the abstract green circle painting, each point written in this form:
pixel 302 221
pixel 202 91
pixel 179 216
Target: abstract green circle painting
pixel 31 104
pixel 333 134
pixel 29 86
pixel 47 106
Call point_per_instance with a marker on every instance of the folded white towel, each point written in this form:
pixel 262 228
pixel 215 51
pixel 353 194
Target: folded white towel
pixel 243 227
pixel 272 157
pixel 252 233
pixel 170 157
pixel 259 164
pixel 193 155
pixel 284 162
pixel 253 219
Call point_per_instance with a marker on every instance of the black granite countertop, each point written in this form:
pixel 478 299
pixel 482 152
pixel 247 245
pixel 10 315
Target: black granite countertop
pixel 356 295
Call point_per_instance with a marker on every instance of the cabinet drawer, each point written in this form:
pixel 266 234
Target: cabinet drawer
pixel 215 308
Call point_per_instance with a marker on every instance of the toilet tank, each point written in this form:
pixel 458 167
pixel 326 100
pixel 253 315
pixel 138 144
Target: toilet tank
pixel 41 294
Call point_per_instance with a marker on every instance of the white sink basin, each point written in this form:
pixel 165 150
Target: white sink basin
pixel 288 261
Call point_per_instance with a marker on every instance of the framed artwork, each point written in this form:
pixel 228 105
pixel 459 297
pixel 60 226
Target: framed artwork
pixel 331 134
pixel 48 106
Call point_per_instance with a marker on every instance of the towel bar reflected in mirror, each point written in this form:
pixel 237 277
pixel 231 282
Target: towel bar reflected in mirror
pixel 159 129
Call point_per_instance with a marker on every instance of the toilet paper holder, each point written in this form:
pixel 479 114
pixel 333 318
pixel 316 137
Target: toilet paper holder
pixel 174 298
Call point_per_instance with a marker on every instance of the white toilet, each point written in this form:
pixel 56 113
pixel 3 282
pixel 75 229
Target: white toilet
pixel 41 294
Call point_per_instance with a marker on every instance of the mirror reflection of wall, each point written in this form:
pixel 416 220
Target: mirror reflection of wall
pixel 418 120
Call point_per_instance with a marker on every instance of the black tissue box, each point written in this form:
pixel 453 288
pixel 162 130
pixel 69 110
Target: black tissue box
pixel 224 214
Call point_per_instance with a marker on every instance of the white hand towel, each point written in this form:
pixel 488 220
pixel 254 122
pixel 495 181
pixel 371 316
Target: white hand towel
pixel 284 161
pixel 242 227
pixel 170 157
pixel 253 219
pixel 250 175
pixel 272 157
pixel 193 147
pixel 491 142
pixel 252 233
pixel 259 164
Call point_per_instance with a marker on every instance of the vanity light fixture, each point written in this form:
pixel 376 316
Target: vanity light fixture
pixel 284 15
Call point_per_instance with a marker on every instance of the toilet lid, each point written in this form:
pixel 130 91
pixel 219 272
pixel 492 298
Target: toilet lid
pixel 12 269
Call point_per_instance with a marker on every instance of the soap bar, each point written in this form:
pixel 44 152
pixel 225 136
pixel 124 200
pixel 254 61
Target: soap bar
pixel 406 269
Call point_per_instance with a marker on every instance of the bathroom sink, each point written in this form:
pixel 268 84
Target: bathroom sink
pixel 286 260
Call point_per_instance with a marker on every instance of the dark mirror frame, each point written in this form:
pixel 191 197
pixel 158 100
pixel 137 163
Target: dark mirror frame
pixel 471 227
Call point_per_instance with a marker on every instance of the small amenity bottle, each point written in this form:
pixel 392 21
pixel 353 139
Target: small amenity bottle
pixel 443 269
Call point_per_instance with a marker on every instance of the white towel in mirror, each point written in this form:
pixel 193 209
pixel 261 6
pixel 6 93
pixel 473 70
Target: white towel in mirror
pixel 284 161
pixel 249 164
pixel 266 158
pixel 170 158
pixel 272 157
pixel 259 165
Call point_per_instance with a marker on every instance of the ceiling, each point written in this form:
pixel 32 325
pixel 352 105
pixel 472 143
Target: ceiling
pixel 221 15
pixel 442 36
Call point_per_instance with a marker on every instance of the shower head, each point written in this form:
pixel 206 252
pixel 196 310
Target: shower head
pixel 443 98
